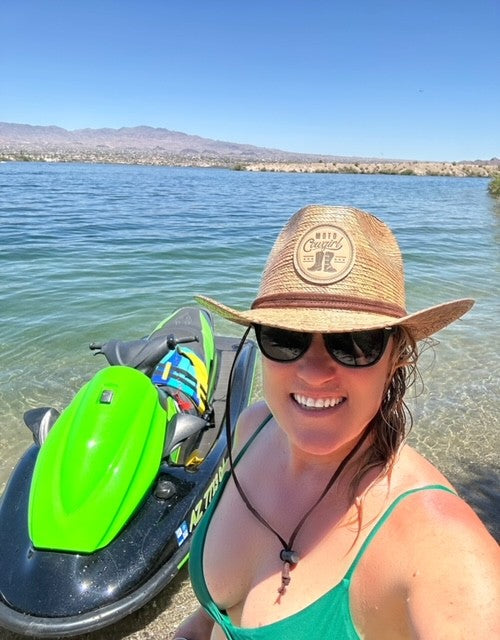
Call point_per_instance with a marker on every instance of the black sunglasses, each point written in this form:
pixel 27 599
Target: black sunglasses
pixel 352 349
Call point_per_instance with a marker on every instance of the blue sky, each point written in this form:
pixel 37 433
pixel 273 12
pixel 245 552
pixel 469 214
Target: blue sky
pixel 387 78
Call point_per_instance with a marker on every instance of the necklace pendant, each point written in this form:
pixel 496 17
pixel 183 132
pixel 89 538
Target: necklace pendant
pixel 289 556
pixel 285 578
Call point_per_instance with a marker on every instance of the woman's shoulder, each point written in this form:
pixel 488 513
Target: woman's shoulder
pixel 438 556
pixel 452 564
pixel 249 421
pixel 432 501
pixel 447 561
pixel 439 561
pixel 437 509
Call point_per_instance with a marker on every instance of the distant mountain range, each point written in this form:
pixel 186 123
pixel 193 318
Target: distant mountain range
pixel 158 145
pixel 150 140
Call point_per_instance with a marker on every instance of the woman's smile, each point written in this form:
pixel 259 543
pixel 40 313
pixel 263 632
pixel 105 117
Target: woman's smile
pixel 307 402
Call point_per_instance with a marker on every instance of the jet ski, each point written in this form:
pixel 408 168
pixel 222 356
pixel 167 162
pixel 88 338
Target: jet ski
pixel 97 517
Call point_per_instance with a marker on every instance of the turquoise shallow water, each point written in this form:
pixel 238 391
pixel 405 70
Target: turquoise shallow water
pixel 89 252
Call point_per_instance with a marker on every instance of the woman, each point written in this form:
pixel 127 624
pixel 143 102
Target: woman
pixel 329 525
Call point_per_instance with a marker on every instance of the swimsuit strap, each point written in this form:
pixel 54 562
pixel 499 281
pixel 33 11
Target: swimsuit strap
pixel 384 518
pixel 252 438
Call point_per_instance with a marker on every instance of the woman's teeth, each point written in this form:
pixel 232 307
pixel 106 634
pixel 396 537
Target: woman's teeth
pixel 316 403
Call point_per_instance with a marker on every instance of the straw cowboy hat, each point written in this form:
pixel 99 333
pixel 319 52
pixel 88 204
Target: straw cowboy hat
pixel 337 269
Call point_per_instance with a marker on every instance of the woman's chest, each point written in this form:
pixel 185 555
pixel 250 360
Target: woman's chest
pixel 243 569
pixel 244 572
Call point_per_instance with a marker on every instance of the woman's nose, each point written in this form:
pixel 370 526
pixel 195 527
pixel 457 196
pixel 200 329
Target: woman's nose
pixel 316 365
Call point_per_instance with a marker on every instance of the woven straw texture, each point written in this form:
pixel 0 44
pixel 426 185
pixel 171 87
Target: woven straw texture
pixel 377 259
pixel 337 269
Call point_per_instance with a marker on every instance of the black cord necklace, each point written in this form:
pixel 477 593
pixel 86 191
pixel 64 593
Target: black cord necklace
pixel 288 555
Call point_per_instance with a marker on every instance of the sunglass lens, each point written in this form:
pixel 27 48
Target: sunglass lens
pixel 281 345
pixel 358 348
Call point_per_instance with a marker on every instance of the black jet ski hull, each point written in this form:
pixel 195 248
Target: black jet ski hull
pixel 49 594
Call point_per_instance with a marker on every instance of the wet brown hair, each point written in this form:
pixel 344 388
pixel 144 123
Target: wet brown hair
pixel 393 421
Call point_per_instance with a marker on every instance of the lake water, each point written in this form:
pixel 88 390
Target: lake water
pixel 90 252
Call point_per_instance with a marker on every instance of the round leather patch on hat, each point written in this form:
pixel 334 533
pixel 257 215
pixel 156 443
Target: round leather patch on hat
pixel 324 255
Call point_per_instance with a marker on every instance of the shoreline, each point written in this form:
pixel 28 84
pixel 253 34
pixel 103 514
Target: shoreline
pixel 366 167
pixel 404 168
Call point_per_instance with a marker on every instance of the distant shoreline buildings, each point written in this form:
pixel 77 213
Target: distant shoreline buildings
pixel 163 147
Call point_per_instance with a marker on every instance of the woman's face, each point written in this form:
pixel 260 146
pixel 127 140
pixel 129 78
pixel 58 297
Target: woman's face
pixel 321 405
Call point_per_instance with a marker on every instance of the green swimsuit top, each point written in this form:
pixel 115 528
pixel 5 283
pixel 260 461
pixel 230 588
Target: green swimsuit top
pixel 327 617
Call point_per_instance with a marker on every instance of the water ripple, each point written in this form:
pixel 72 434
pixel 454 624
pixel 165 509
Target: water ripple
pixel 92 252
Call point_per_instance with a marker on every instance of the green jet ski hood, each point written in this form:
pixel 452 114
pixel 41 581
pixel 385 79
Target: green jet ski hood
pixel 98 462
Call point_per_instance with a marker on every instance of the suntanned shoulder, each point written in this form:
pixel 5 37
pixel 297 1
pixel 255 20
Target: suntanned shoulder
pixel 450 571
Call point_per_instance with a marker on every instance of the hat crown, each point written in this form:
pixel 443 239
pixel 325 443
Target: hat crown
pixel 337 269
pixel 333 251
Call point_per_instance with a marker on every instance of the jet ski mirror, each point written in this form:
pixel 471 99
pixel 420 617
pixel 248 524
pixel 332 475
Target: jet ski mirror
pixel 40 421
pixel 181 427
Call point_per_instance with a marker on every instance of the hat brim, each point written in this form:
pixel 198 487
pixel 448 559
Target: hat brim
pixel 421 324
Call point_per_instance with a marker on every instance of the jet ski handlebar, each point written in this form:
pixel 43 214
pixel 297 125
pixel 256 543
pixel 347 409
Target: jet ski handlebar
pixel 143 354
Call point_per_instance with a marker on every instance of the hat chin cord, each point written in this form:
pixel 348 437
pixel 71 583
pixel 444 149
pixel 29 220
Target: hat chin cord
pixel 288 555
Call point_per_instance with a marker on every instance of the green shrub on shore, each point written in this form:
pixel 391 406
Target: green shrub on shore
pixel 494 186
